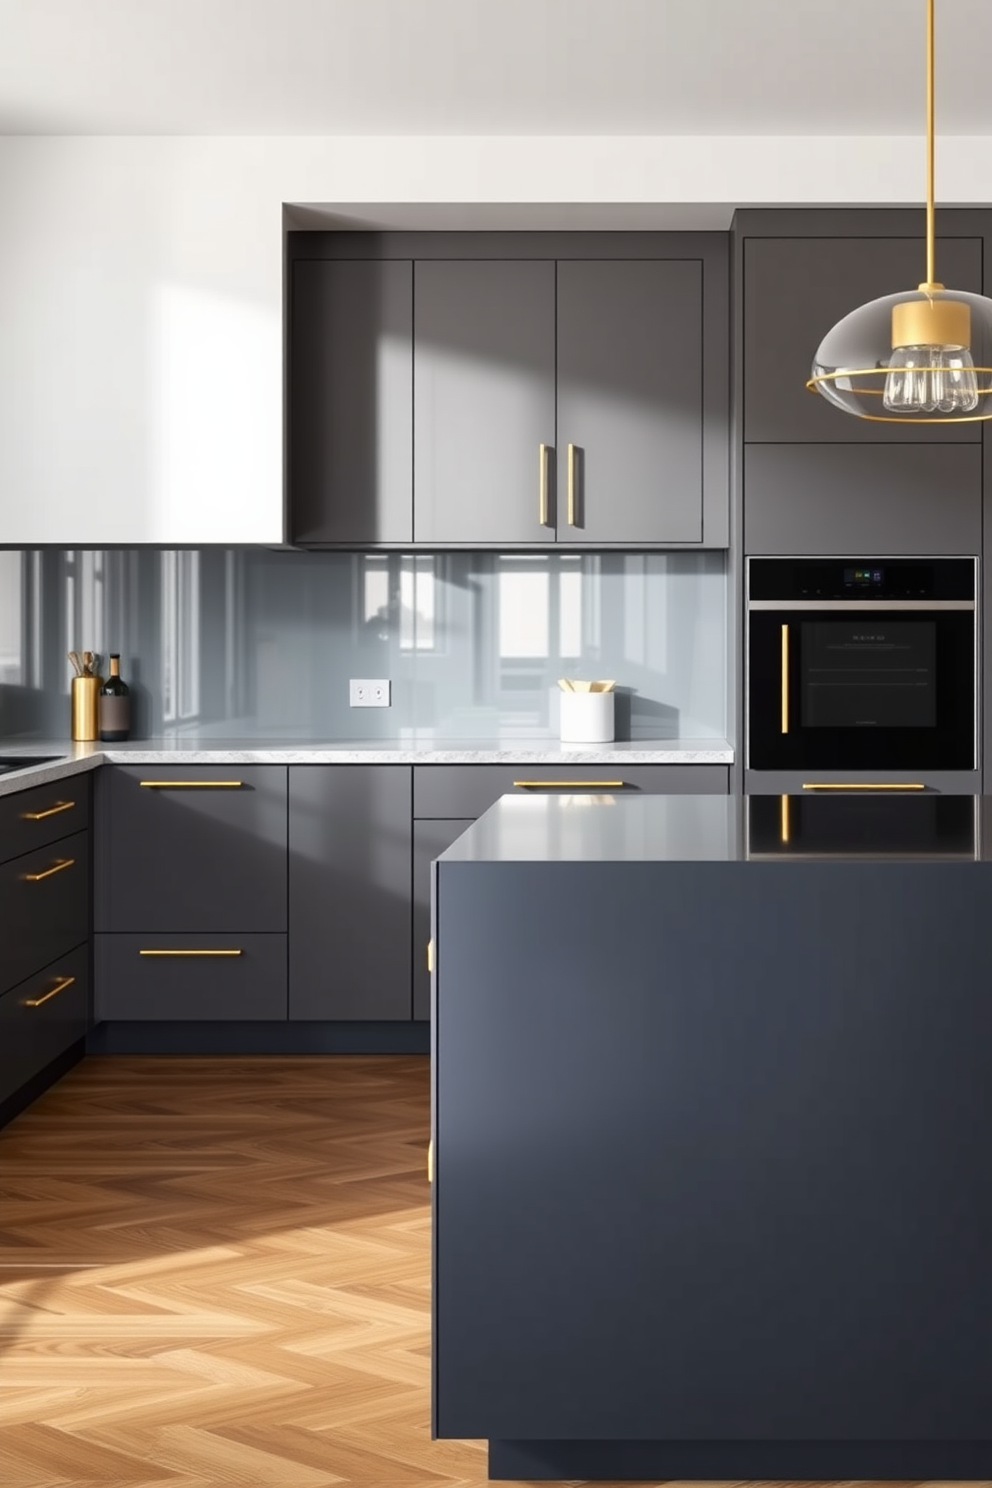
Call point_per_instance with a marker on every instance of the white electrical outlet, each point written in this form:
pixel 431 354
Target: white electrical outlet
pixel 369 692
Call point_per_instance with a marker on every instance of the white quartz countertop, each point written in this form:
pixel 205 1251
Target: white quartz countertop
pixel 70 759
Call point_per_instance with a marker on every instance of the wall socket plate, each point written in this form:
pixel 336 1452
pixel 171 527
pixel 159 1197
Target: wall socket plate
pixel 369 692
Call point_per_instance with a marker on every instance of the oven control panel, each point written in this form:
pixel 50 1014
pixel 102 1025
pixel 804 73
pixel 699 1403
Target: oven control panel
pixel 861 579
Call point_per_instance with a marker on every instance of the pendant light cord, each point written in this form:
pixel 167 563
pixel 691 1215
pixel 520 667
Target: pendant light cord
pixel 931 281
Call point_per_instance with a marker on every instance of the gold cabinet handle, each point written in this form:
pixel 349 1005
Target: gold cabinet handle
pixel 57 867
pixel 430 1161
pixel 869 785
pixel 52 811
pixel 192 953
pixel 584 784
pixel 192 784
pixel 542 484
pixel 785 679
pixel 61 984
pixel 430 955
pixel 571 485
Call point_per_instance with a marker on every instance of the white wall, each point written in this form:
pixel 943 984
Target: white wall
pixel 141 292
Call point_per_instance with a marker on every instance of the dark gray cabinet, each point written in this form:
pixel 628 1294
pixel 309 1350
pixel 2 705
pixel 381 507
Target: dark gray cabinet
pixel 349 891
pixel 430 840
pixel 795 289
pixel 351 402
pixel 197 978
pixel 484 401
pixel 44 906
pixel 42 1018
pixel 845 498
pixel 630 401
pixel 193 848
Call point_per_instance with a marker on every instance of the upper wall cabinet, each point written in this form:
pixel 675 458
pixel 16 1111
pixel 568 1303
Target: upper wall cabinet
pixel 510 390
pixel 484 401
pixel 630 402
pixel 795 289
pixel 350 418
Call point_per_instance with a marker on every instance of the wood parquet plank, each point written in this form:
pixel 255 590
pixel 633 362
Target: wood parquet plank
pixel 216 1271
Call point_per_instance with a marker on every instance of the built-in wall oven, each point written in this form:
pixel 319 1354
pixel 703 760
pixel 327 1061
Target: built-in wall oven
pixel 861 663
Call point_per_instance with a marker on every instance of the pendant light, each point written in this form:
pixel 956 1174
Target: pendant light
pixel 921 357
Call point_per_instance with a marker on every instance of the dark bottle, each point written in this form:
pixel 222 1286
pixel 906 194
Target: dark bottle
pixel 115 705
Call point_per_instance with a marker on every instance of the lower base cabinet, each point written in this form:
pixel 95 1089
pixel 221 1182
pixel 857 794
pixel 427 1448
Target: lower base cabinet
pixel 199 978
pixel 350 844
pixel 43 1017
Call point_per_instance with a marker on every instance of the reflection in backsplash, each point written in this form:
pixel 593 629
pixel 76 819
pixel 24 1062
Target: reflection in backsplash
pixel 252 643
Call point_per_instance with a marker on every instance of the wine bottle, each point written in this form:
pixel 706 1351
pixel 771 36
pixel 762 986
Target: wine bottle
pixel 115 705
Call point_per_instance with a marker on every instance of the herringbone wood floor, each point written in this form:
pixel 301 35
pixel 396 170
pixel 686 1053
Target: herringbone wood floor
pixel 216 1271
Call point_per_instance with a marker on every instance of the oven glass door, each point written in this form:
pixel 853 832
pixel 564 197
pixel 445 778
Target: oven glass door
pixel 861 690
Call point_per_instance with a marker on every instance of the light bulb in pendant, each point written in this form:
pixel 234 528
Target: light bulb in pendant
pixel 931 369
pixel 931 379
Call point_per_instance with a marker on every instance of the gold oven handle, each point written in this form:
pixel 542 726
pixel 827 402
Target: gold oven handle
pixel 61 984
pixel 868 785
pixel 52 811
pixel 57 867
pixel 785 679
pixel 583 784
pixel 193 784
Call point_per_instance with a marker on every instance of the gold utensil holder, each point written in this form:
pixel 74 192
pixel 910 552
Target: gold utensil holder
pixel 85 708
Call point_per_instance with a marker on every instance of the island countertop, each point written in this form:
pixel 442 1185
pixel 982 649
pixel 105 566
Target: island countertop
pixel 728 829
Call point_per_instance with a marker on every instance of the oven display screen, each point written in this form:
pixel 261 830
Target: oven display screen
pixel 869 673
pixel 864 578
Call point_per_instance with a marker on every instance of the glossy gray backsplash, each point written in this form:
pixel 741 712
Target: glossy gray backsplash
pixel 251 643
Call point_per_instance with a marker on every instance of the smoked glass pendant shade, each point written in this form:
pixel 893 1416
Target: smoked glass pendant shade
pixel 923 356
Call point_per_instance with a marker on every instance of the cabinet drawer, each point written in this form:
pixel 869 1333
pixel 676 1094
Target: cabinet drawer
pixel 201 848
pixel 44 907
pixel 36 817
pixel 469 790
pixel 41 1018
pixel 204 978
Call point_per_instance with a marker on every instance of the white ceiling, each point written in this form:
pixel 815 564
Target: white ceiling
pixel 489 67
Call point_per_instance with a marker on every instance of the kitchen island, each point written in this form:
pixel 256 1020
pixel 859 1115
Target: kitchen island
pixel 712 1135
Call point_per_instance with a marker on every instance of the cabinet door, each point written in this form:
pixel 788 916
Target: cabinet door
pixel 430 839
pixel 42 1018
pixel 630 402
pixel 484 400
pixel 44 907
pixel 795 289
pixel 349 891
pixel 197 848
pixel 351 402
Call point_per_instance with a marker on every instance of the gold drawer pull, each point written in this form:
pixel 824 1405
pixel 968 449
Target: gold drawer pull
pixel 47 872
pixel 60 986
pixel 52 811
pixel 430 955
pixel 862 785
pixel 191 953
pixel 430 1161
pixel 583 784
pixel 193 784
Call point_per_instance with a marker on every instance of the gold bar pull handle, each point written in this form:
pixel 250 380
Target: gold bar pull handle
pixel 430 955
pixel 57 867
pixel 571 485
pixel 868 785
pixel 61 984
pixel 430 1161
pixel 51 811
pixel 192 784
pixel 192 953
pixel 542 484
pixel 785 679
pixel 581 784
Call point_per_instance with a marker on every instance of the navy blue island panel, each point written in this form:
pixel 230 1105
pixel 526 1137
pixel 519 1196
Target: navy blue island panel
pixel 713 1138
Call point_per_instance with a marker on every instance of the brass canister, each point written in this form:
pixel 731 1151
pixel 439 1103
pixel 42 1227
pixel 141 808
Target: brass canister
pixel 85 707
